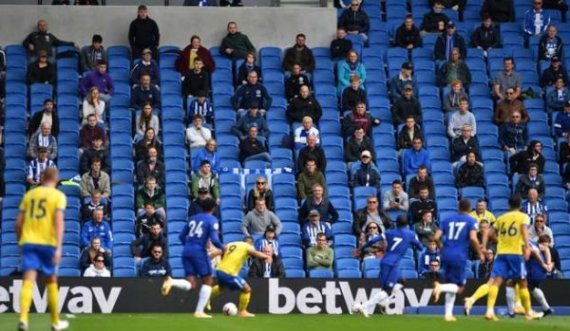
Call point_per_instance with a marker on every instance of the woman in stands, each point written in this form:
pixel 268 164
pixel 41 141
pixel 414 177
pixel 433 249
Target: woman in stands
pixel 146 120
pixel 89 254
pixel 260 191
pixel 92 104
pixel 149 140
pixel 246 67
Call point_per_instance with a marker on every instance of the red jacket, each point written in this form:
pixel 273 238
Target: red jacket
pixel 184 58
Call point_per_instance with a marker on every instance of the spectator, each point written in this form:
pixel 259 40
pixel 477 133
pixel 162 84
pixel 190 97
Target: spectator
pixel 209 153
pixel 356 145
pixel 507 106
pixel 97 269
pixel 535 208
pixel 422 178
pixel 465 144
pixel 46 115
pixel 405 106
pixel 486 36
pixel 531 180
pixel 97 227
pixel 43 138
pixel 95 179
pixel 260 191
pixel 396 199
pixel 454 69
pixel 248 120
pixel 405 77
pixel 251 92
pixel 150 192
pixel 41 71
pixel 562 124
pixel 353 94
pixel 359 118
pixel 422 204
pixel 252 148
pixel 100 79
pixel 536 21
pixel 408 35
pixel 500 10
pixel 200 105
pixel 505 79
pixel 319 202
pixel 268 239
pixel 320 256
pixel 145 92
pixel 366 174
pixel 307 129
pixel 486 266
pixel 456 5
pixel 196 80
pixel 435 20
pixel 550 45
pixel 558 98
pixel 299 54
pixel 235 44
pixel 460 118
pixel 434 274
pixel 146 119
pixel 149 140
pixel 258 219
pixel 312 151
pixel 295 81
pixel 92 104
pixel 37 166
pixel 304 105
pixel 521 161
pixel 185 61
pixel 446 42
pixel 42 40
pixel 481 213
pixel 146 66
pixel 425 228
pixel 415 157
pixel 197 204
pixel 95 203
pixel 156 265
pixel 91 131
pixel 557 5
pixel 92 54
pixel 142 247
pixel 470 173
pixel 248 66
pixel 456 93
pixel 197 135
pixel 341 45
pixel 555 71
pixel 350 68
pixel 97 150
pixel 94 250
pixel 267 268
pixel 144 222
pixel 513 135
pixel 355 20
pixel 429 254
pixel 205 178
pixel 310 176
pixel 150 167
pixel 314 226
pixel 371 231
pixel 539 229
pixel 371 214
pixel 143 33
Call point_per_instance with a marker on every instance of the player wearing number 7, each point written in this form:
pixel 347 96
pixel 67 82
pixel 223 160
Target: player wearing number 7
pixel 194 236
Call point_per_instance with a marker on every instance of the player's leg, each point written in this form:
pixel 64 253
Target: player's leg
pixel 244 298
pixel 53 304
pixel 492 297
pixel 525 299
pixel 29 278
pixel 481 291
pixel 388 278
pixel 518 307
pixel 205 290
pixel 181 284
pixel 511 297
pixel 538 295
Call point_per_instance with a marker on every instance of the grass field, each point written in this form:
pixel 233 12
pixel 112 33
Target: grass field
pixel 176 322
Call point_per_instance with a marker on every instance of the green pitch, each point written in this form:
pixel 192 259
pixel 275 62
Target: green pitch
pixel 176 322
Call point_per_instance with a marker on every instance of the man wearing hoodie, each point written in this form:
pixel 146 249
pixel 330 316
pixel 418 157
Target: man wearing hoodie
pixel 366 174
pixel 355 20
pixel 205 178
pixel 100 79
pixel 257 220
pixel 487 35
pixel 143 33
pixel 415 157
pixel 408 35
pixel 308 178
pixel 235 45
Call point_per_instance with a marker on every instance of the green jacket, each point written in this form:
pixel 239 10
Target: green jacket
pixel 213 187
pixel 305 183
pixel 158 198
pixel 237 41
pixel 320 258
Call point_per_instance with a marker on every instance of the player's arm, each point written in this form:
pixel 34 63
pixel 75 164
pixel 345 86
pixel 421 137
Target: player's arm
pixel 525 247
pixel 437 237
pixel 183 234
pixel 214 238
pixel 475 244
pixel 59 229
pixel 253 252
pixel 19 224
pixel 369 243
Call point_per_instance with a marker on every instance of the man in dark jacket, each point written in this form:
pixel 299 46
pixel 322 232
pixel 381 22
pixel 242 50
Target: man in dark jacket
pixel 513 135
pixel 42 40
pixel 152 166
pixel 89 132
pixel 294 82
pixel 196 204
pixel 317 200
pixel 92 54
pixel 446 42
pixel 531 180
pixel 499 10
pixel 144 223
pixel 267 268
pixel 196 80
pixel 422 178
pixel 141 247
pixel 143 33
pixel 356 145
pixel 550 45
pixel 520 162
pixel 341 45
pixel 353 94
pixel 422 204
pixel 487 35
pixel 408 133
pixel 470 173
pixel 366 174
pixel 555 71
pixel 251 148
pixel 235 44
pixel 464 144
pixel 408 35
pixel 371 213
pixel 252 92
pixel 312 152
pixel 304 105
pixel 299 54
pixel 355 20
pixel 145 92
pixel 37 117
pixel 406 105
pixel 435 20
pixel 97 150
pixel 156 265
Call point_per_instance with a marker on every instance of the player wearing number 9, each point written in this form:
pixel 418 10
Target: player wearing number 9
pixel 40 228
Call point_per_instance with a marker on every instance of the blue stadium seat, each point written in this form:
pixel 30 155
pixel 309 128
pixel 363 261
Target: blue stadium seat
pixel 321 273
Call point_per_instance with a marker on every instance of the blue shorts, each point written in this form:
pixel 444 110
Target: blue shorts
pixel 455 272
pixel 38 257
pixel 228 281
pixel 509 266
pixel 389 276
pixel 197 265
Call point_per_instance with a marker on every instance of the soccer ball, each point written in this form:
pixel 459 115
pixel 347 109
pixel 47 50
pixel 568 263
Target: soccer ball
pixel 230 309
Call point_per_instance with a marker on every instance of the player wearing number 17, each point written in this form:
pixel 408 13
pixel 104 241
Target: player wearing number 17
pixel 39 228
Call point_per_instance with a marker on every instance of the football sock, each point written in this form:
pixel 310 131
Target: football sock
pixel 539 296
pixel 243 301
pixel 449 303
pixel 449 288
pixel 53 299
pixel 510 291
pixel 377 298
pixel 492 298
pixel 216 290
pixel 481 291
pixel 26 300
pixel 203 298
pixel 525 299
pixel 181 284
pixel 517 296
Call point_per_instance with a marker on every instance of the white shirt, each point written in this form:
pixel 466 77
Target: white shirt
pixel 89 109
pixel 198 138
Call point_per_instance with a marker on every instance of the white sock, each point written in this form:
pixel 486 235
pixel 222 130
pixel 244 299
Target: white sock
pixel 449 303
pixel 449 288
pixel 181 284
pixel 205 292
pixel 510 299
pixel 376 299
pixel 397 288
pixel 539 296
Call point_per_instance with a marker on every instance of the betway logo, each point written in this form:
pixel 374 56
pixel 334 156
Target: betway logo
pixel 313 300
pixel 77 299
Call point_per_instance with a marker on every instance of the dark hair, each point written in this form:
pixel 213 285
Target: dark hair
pixel 401 221
pixel 209 205
pixel 409 16
pixel 321 234
pixel 194 37
pixel 142 7
pixel 463 99
pixel 197 58
pixel 508 58
pixel 422 167
pixel 300 35
pixel 96 159
pixel 396 181
pixel 101 63
pixel 148 203
pixel 96 39
pixel 486 16
pixel 532 165
pixel 464 205
pixel 515 202
pixel 423 187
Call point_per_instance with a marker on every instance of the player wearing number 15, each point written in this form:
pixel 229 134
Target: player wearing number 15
pixel 39 227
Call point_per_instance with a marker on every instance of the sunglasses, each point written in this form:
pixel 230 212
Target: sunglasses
pixel 260 183
pixel 99 261
pixel 372 201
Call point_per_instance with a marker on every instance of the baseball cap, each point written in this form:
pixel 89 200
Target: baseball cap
pixel 314 212
pixel 147 50
pixel 450 24
pixel 407 65
pixel 203 190
pixel 366 154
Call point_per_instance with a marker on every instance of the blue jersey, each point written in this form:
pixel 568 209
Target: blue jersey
pixel 534 266
pixel 398 241
pixel 195 234
pixel 455 237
